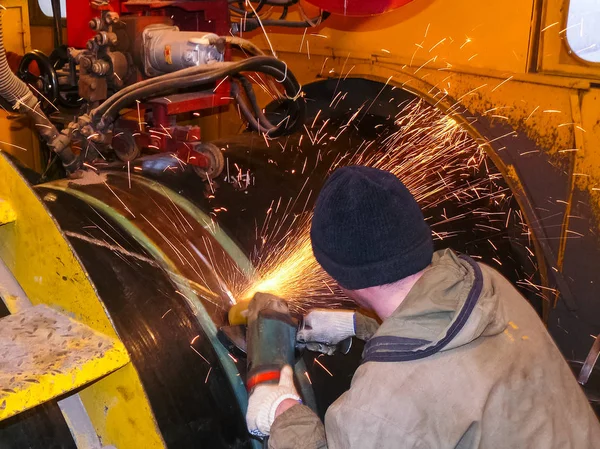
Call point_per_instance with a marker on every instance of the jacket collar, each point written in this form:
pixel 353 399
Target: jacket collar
pixel 451 305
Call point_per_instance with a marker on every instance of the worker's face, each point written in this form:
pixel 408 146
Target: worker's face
pixel 359 299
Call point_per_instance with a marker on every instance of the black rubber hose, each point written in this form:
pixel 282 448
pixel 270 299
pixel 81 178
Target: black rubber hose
pixel 253 123
pixel 244 12
pixel 177 80
pixel 256 118
pixel 170 76
pixel 236 41
pixel 106 113
pixel 284 13
pixel 296 117
pixel 252 24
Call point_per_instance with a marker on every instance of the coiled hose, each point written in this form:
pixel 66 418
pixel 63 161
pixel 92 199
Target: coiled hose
pixel 15 91
pixel 11 88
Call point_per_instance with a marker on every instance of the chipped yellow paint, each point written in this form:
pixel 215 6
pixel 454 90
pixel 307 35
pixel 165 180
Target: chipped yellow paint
pixel 524 337
pixel 43 262
pixel 46 354
pixel 41 259
pixel 127 419
pixel 513 325
pixel 7 213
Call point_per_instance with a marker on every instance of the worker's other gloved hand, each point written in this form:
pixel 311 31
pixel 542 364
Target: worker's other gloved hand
pixel 264 401
pixel 323 329
pixel 266 301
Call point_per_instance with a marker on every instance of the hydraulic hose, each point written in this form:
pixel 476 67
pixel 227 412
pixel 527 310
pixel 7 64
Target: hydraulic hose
pixel 244 44
pixel 105 114
pixel 256 118
pixel 178 75
pixel 20 96
pixel 252 24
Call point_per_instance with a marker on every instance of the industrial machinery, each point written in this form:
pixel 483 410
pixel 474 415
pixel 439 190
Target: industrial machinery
pixel 181 147
pixel 144 62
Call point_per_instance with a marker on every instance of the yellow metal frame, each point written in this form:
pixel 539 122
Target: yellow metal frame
pixel 45 265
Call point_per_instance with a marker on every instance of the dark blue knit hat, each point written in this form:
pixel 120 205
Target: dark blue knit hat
pixel 368 230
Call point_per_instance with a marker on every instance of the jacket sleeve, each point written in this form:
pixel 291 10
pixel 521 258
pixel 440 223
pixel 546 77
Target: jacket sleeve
pixel 351 427
pixel 365 327
pixel 298 428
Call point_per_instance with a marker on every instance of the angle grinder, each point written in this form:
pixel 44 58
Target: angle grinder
pixel 265 331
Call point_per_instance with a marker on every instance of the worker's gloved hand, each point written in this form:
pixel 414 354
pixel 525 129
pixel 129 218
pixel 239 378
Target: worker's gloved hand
pixel 323 329
pixel 266 301
pixel 265 399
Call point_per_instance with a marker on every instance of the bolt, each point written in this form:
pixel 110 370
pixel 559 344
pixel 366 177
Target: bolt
pixel 93 85
pixel 101 38
pixel 95 23
pixel 100 67
pixel 111 17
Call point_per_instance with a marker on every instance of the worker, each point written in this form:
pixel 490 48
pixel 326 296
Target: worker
pixel 461 360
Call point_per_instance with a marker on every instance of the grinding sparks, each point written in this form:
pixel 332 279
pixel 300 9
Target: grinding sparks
pixel 429 152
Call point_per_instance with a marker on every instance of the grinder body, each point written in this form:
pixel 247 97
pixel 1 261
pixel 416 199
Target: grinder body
pixel 271 343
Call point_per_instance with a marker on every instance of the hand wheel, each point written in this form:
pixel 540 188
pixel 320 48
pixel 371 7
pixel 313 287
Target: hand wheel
pixel 46 82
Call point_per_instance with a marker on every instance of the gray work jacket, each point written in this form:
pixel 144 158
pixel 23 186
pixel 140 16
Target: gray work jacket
pixel 463 363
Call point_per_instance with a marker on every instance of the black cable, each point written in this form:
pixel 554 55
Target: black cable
pixel 257 121
pixel 252 24
pixel 100 110
pixel 104 115
pixel 244 12
pixel 284 13
pixel 186 78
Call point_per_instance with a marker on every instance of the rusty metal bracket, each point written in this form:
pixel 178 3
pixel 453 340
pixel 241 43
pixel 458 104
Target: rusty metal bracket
pixel 590 362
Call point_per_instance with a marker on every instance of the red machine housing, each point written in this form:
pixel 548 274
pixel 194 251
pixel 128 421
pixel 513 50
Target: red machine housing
pixel 189 15
pixel 358 7
pixel 78 30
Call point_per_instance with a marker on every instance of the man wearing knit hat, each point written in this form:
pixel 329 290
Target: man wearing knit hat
pixel 460 360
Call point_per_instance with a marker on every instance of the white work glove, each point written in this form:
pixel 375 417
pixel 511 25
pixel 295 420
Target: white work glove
pixel 265 399
pixel 328 327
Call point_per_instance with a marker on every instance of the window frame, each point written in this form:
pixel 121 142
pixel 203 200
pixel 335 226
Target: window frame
pixel 37 16
pixel 570 49
pixel 555 55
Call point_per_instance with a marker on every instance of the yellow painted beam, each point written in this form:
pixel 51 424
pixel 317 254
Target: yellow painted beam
pixel 43 262
pixel 46 354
